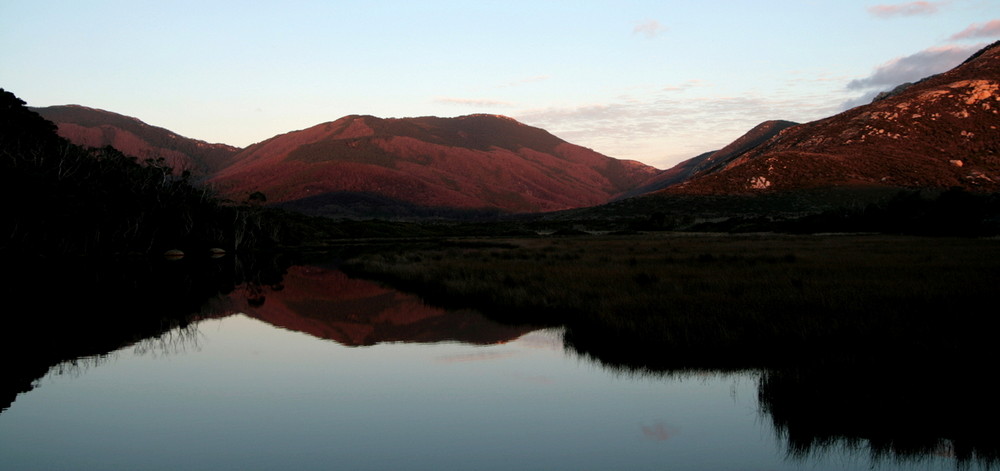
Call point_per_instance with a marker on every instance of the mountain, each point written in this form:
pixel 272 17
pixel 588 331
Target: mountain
pixel 470 162
pixel 941 132
pixel 753 138
pixel 89 127
pixel 679 173
pixel 708 161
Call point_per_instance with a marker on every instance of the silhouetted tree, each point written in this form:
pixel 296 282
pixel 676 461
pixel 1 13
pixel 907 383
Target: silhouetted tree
pixel 64 199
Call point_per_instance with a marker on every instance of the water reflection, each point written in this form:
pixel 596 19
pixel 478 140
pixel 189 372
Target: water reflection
pixel 325 303
pixel 434 370
pixel 80 308
pixel 904 408
pixel 899 412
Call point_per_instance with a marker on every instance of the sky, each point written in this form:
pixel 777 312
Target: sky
pixel 654 81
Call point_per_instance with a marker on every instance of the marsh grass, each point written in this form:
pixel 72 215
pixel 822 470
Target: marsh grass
pixel 713 299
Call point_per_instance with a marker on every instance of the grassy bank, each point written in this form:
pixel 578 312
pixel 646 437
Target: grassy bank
pixel 742 300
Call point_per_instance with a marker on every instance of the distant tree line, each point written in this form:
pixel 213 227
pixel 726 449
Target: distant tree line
pixel 926 212
pixel 62 199
pixel 951 212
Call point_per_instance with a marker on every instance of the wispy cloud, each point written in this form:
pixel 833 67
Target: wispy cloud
pixel 687 85
pixel 480 102
pixel 907 69
pixel 663 126
pixel 649 29
pixel 905 9
pixel 990 29
pixel 914 67
pixel 864 99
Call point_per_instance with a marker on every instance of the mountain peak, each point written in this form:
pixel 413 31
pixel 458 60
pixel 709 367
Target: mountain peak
pixel 993 48
pixel 940 132
pixel 490 116
pixel 471 162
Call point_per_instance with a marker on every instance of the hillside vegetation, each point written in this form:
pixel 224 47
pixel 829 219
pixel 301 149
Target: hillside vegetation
pixel 63 199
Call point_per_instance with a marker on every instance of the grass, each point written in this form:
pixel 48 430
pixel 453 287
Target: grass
pixel 718 299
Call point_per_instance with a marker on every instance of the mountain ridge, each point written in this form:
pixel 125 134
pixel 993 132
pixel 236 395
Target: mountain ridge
pixel 474 161
pixel 427 161
pixel 939 132
pixel 93 127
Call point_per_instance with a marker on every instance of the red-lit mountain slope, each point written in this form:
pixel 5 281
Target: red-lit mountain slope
pixel 941 132
pixel 89 127
pixel 468 162
pixel 709 161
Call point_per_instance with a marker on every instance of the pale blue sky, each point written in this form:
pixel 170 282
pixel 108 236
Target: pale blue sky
pixel 654 81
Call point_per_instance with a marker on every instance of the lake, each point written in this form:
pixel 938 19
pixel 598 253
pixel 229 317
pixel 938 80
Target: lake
pixel 321 371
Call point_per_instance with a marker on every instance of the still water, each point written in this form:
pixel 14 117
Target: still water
pixel 334 373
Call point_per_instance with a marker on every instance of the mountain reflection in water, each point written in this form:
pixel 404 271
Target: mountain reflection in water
pixel 327 304
pixel 893 414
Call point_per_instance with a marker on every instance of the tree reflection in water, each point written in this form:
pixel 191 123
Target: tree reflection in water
pixel 80 309
pixel 901 407
pixel 901 411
